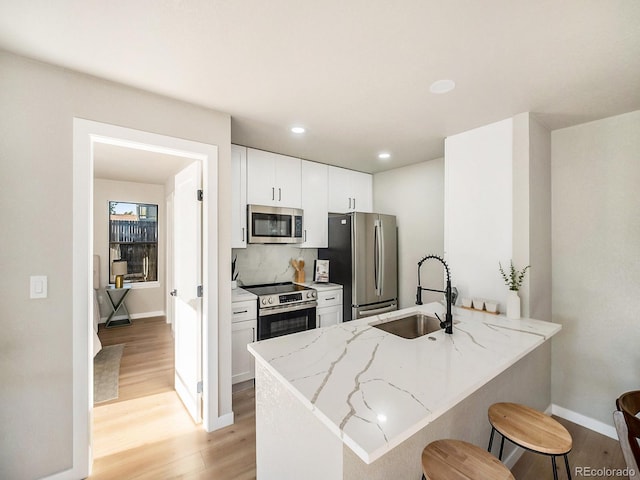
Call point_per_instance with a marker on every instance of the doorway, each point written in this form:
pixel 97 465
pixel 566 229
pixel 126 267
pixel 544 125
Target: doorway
pixel 87 135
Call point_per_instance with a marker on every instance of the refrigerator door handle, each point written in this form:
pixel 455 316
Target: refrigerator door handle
pixel 377 264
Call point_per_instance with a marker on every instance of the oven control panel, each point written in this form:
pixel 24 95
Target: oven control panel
pixel 287 298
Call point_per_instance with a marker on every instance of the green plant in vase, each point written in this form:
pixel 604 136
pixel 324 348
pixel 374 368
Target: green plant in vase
pixel 513 279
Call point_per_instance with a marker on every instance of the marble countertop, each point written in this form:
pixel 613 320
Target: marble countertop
pixel 374 390
pixel 241 295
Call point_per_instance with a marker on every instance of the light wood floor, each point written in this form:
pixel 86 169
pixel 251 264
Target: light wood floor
pixel 146 432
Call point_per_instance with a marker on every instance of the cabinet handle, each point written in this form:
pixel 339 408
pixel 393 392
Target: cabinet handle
pixel 273 193
pixel 330 298
pixel 243 234
pixel 239 312
pixel 354 203
pixel 305 235
pixel 349 203
pixel 279 194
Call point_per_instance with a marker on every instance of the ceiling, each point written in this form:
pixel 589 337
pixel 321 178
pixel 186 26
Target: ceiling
pixel 355 73
pixel 113 162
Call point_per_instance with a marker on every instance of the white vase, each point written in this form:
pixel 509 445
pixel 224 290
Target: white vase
pixel 513 305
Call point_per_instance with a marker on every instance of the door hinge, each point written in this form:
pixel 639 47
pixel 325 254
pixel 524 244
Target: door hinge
pixel 199 291
pixel 200 195
pixel 199 387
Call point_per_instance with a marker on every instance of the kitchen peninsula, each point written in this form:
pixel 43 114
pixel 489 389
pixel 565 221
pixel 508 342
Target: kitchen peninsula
pixel 352 401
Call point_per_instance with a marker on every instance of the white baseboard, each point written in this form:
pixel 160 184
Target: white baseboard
pixel 220 422
pixel 159 313
pixel 584 421
pixel 134 316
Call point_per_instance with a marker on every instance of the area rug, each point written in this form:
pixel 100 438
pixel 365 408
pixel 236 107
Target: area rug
pixel 106 370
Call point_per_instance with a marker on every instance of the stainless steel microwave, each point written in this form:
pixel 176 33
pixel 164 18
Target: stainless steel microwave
pixel 274 224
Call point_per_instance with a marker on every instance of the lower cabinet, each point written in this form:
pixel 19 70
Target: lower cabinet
pixel 244 328
pixel 329 309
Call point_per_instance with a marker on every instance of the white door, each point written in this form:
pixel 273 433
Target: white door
pixel 187 268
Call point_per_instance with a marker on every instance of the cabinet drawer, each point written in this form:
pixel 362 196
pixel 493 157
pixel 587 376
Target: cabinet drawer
pixel 241 311
pixel 330 298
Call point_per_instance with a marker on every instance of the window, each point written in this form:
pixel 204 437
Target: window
pixel 133 236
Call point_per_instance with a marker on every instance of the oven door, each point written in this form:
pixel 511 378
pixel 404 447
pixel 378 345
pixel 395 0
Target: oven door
pixel 280 321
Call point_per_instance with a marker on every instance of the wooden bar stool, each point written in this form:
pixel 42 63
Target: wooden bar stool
pixel 532 430
pixel 458 460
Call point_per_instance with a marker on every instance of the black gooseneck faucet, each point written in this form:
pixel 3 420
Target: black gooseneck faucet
pixel 448 319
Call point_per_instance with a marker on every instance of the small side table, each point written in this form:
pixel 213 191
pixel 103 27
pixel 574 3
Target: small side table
pixel 117 304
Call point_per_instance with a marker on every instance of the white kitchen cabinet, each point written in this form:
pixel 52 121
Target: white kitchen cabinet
pixel 315 203
pixel 349 191
pixel 238 196
pixel 273 179
pixel 244 330
pixel 329 309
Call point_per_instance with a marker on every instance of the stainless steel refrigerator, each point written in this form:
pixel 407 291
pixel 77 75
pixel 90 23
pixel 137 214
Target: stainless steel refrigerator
pixel 363 258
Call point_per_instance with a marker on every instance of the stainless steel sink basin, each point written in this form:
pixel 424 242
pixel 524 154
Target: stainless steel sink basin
pixel 413 326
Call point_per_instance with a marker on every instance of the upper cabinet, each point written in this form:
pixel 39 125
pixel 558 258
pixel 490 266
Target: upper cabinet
pixel 315 203
pixel 349 191
pixel 238 196
pixel 273 179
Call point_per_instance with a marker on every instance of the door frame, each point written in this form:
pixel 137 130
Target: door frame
pixel 86 133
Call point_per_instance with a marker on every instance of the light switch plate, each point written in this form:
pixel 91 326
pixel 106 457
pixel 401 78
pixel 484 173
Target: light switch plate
pixel 38 286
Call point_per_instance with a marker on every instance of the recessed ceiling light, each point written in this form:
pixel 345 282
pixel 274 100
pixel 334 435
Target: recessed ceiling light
pixel 442 86
pixel 384 156
pixel 298 129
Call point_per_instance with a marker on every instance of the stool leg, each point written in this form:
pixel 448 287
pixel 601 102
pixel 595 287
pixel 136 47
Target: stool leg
pixel 555 469
pixel 501 448
pixel 491 439
pixel 566 463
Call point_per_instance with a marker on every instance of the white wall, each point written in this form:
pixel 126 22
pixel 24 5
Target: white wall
pixel 39 103
pixel 142 302
pixel 479 209
pixel 532 213
pixel 596 264
pixel 415 195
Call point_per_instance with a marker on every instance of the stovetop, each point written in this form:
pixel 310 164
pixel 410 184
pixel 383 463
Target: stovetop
pixel 286 293
pixel 275 288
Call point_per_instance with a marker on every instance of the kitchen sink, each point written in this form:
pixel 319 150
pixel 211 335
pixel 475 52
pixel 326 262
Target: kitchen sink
pixel 412 326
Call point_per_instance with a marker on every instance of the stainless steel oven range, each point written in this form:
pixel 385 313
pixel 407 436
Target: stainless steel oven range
pixel 284 308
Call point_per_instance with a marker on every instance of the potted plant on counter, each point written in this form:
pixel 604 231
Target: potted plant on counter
pixel 513 280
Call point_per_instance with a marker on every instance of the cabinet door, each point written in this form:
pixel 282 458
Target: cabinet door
pixel 315 196
pixel 242 362
pixel 340 198
pixel 273 179
pixel 261 177
pixel 327 316
pixel 238 196
pixel 361 185
pixel 288 191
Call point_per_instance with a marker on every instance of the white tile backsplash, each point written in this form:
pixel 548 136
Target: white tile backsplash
pixel 258 264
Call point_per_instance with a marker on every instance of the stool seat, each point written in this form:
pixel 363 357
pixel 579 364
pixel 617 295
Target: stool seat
pixel 530 428
pixel 458 460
